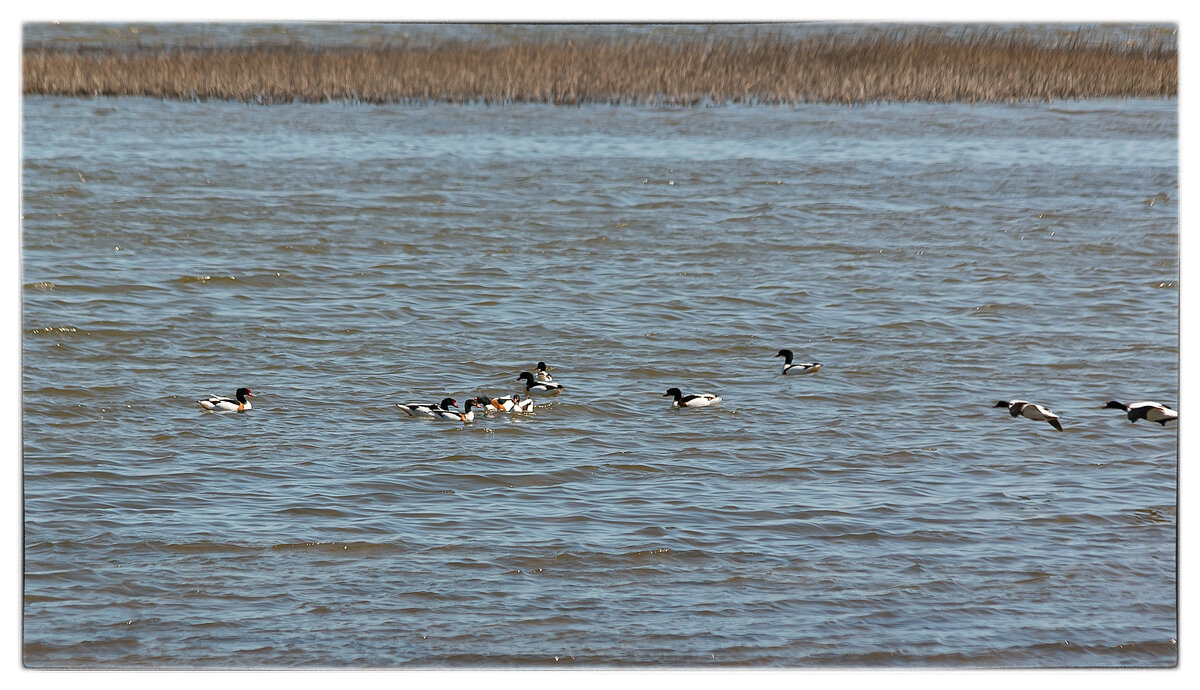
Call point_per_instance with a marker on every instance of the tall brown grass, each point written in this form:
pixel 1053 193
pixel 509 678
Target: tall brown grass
pixel 761 71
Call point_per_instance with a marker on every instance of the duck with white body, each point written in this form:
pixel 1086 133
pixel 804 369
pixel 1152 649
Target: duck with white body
pixel 238 403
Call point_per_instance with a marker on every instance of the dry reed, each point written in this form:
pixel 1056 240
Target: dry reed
pixel 762 71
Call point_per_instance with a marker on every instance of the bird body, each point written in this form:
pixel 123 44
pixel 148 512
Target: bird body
pixel 415 410
pixel 1146 409
pixel 1022 408
pixel 497 404
pixel 535 387
pixel 238 403
pixel 512 403
pixel 798 367
pixel 467 414
pixel 694 400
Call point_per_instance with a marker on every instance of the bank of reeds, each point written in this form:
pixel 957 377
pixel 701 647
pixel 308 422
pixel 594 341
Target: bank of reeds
pixel 640 71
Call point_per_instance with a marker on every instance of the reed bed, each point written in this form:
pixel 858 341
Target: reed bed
pixel 642 71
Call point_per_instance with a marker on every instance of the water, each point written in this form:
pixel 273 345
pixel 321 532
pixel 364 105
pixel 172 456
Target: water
pixel 171 35
pixel 338 259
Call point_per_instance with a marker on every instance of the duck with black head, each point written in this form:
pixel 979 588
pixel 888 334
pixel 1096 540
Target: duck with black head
pixel 238 403
pixel 418 410
pixel 798 367
pixel 535 387
pixel 1146 409
pixel 1021 408
pixel 692 400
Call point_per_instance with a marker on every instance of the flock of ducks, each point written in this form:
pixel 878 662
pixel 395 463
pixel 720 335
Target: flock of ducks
pixel 540 383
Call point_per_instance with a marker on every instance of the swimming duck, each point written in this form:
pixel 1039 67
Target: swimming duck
pixel 534 387
pixel 488 404
pixel 1146 409
pixel 798 368
pixel 415 410
pixel 695 400
pixel 1030 411
pixel 495 404
pixel 467 414
pixel 237 403
pixel 541 374
pixel 512 403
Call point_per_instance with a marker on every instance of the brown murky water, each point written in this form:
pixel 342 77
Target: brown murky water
pixel 338 259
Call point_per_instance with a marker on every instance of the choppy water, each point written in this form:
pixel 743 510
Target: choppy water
pixel 171 35
pixel 338 258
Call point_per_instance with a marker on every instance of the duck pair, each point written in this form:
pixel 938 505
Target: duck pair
pixel 1152 411
pixel 707 399
pixel 442 410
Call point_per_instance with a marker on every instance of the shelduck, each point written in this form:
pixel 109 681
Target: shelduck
pixel 1030 411
pixel 512 403
pixel 467 414
pixel 534 387
pixel 798 368
pixel 495 404
pixel 541 374
pixel 415 410
pixel 1146 409
pixel 695 400
pixel 237 403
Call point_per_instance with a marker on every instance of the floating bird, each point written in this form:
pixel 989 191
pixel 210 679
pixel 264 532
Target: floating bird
pixel 512 403
pixel 541 374
pixel 695 400
pixel 415 410
pixel 467 414
pixel 495 404
pixel 534 387
pixel 1146 409
pixel 798 368
pixel 1031 411
pixel 520 405
pixel 237 403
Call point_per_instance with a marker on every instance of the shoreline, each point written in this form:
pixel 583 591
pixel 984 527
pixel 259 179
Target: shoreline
pixel 767 71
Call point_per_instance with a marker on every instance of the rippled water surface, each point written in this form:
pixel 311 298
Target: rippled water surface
pixel 337 259
pixel 70 35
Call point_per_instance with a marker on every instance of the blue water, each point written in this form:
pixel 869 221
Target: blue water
pixel 337 259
